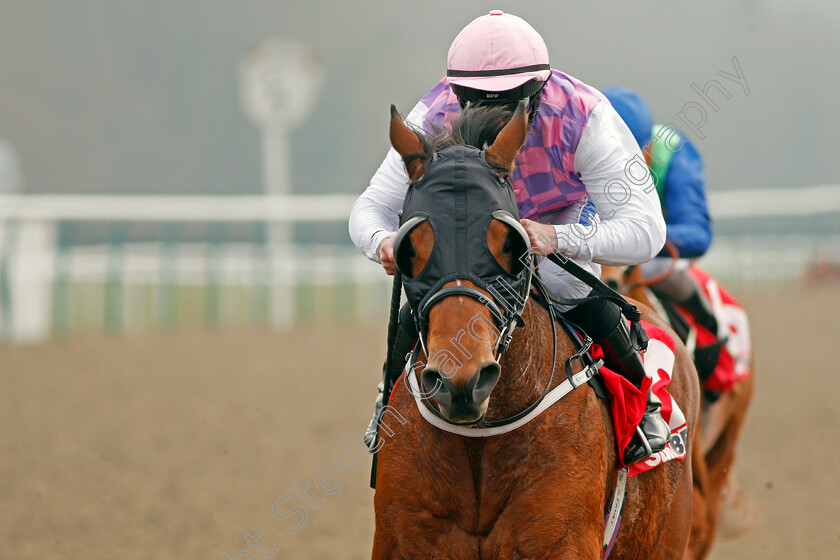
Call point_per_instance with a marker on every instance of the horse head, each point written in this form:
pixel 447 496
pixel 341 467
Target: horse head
pixel 462 253
pixel 620 277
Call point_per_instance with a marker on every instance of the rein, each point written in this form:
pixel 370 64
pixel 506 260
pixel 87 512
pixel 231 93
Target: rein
pixel 674 253
pixel 638 337
pixel 393 320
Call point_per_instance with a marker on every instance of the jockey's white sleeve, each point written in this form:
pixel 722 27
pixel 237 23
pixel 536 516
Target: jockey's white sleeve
pixel 629 228
pixel 374 215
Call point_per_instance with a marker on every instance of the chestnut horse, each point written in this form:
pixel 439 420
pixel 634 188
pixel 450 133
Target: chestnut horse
pixel 541 491
pixel 724 510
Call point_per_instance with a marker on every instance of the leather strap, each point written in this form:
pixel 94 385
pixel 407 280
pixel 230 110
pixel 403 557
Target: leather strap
pixel 638 337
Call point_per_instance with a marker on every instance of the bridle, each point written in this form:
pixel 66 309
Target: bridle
pixel 458 197
pixel 506 323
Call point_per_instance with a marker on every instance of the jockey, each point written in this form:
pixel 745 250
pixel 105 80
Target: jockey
pixel 579 157
pixel 677 170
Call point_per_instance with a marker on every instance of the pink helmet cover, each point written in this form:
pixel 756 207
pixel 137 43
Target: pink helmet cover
pixel 497 52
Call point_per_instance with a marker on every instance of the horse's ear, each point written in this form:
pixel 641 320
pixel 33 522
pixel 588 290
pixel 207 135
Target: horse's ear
pixel 407 143
pixel 510 140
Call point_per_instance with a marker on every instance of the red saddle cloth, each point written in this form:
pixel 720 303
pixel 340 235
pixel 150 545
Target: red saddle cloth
pixel 736 354
pixel 628 403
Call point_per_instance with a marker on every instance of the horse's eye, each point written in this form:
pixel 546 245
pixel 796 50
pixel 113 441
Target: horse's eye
pixel 413 250
pixel 405 255
pixel 508 246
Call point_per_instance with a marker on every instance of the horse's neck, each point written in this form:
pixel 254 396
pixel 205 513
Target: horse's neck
pixel 642 294
pixel 527 365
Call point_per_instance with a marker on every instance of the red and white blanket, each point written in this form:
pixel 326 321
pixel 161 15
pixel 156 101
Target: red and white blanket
pixel 628 403
pixel 736 355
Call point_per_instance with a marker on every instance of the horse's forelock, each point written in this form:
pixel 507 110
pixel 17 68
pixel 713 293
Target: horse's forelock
pixel 477 126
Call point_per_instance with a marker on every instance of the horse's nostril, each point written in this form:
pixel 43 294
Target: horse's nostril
pixel 487 378
pixel 434 386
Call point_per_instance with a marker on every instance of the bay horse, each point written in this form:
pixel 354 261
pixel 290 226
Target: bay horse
pixel 542 490
pixel 724 510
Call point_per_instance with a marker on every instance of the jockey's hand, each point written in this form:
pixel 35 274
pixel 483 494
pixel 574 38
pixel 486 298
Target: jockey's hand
pixel 543 237
pixel 386 255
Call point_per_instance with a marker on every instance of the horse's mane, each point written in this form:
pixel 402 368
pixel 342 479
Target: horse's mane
pixel 476 126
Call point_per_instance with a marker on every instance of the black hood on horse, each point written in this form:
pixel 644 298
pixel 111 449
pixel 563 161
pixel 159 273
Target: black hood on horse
pixel 459 195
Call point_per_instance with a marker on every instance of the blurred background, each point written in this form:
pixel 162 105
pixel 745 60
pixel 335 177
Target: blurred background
pixel 188 329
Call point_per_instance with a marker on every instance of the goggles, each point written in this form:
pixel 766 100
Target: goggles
pixel 512 96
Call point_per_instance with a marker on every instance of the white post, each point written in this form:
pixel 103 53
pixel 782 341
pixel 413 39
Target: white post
pixel 277 181
pixel 277 176
pixel 32 274
pixel 278 83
